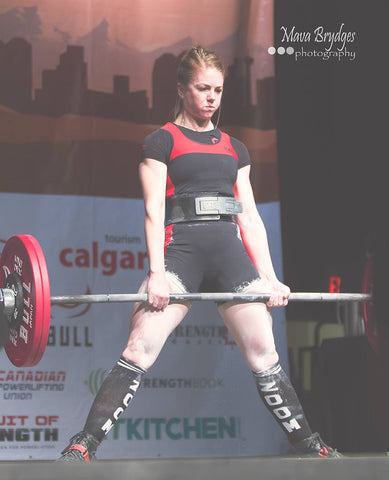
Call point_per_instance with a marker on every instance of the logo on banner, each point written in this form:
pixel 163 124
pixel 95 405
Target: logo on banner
pixel 176 428
pixel 23 384
pixel 192 383
pixel 69 336
pixel 108 261
pixel 319 43
pixel 202 335
pixel 23 431
pixel 95 379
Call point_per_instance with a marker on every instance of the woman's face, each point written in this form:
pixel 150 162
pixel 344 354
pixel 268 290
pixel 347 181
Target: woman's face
pixel 201 97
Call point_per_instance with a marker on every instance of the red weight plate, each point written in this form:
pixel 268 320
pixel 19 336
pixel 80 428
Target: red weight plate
pixel 46 302
pixel 26 343
pixel 368 307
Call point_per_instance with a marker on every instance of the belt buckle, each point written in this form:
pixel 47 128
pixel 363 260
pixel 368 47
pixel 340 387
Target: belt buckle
pixel 206 206
pixel 231 206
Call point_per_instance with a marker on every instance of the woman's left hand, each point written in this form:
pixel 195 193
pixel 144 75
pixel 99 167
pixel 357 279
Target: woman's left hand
pixel 279 294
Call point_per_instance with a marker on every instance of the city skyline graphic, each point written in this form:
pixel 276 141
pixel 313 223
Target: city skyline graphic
pixel 64 90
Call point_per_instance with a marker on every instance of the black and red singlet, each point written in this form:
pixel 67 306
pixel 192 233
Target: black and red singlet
pixel 197 161
pixel 206 255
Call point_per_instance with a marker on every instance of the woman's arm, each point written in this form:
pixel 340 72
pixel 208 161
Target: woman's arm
pixel 153 180
pixel 254 237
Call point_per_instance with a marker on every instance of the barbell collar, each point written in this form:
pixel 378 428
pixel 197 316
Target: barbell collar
pixel 7 302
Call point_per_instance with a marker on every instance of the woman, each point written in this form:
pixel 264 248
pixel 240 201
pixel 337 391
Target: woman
pixel 203 233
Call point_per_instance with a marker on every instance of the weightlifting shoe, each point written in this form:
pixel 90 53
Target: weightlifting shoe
pixel 314 447
pixel 81 448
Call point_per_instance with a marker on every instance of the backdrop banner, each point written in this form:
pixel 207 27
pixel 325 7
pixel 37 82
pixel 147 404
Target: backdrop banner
pixel 83 84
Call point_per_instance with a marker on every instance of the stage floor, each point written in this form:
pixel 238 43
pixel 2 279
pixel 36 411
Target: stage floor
pixel 361 467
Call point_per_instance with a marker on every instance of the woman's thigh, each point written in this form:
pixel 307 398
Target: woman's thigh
pixel 149 328
pixel 250 324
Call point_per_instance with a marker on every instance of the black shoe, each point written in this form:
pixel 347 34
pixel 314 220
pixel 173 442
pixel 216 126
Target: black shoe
pixel 81 448
pixel 314 447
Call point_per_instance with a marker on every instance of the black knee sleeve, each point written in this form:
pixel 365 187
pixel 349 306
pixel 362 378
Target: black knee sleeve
pixel 113 397
pixel 279 396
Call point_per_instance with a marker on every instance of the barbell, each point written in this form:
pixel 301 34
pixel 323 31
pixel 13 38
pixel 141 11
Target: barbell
pixel 25 300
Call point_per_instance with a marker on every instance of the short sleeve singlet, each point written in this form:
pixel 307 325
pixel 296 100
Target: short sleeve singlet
pixel 196 161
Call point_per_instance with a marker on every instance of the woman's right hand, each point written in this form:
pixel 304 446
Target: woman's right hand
pixel 158 290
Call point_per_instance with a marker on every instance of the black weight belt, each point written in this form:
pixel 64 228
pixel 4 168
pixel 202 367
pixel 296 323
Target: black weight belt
pixel 201 206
